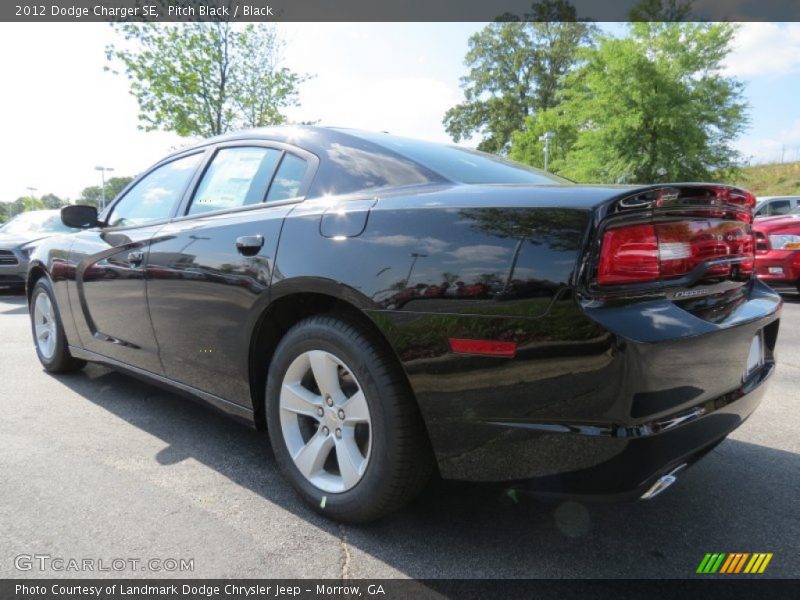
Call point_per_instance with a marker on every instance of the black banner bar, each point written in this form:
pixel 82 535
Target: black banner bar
pixel 378 10
pixel 396 589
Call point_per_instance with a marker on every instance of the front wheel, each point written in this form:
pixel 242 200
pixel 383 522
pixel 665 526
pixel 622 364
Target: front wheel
pixel 48 333
pixel 342 422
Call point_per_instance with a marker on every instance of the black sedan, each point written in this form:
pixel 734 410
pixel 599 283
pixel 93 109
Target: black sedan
pixel 389 309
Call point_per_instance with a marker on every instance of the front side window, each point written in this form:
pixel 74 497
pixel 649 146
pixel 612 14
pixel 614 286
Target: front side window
pixel 236 177
pixel 153 197
pixel 288 179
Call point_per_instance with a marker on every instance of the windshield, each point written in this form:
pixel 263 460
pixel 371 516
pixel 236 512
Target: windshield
pixel 36 222
pixel 462 165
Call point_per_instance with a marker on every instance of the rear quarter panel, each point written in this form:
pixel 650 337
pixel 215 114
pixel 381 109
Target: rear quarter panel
pixel 428 268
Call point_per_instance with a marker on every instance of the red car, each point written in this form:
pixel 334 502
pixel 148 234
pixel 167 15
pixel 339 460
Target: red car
pixel 778 249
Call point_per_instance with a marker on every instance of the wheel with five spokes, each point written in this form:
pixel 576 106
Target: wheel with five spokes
pixel 343 424
pixel 48 333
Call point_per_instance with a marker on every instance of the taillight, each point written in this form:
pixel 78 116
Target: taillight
pixel 669 250
pixel 629 255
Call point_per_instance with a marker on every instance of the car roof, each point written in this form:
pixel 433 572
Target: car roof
pixel 768 198
pixel 313 138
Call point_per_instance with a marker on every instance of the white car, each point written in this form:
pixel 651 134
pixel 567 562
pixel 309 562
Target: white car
pixel 770 206
pixel 23 229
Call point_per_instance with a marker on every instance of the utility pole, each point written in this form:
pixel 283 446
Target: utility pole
pixel 546 139
pixel 32 190
pixel 103 189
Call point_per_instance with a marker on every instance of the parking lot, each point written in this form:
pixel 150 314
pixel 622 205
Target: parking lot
pixel 100 465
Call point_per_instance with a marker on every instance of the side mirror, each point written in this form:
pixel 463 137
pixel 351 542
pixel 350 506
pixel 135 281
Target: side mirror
pixel 79 216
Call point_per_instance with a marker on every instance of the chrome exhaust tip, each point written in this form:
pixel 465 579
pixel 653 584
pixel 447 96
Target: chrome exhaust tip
pixel 662 483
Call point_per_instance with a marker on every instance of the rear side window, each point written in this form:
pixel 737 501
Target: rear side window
pixel 236 177
pixel 780 207
pixel 153 197
pixel 288 178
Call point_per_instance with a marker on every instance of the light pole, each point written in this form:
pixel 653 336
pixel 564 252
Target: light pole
pixel 414 256
pixel 103 189
pixel 546 139
pixel 33 197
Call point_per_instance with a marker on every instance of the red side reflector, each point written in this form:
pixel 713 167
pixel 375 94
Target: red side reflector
pixel 483 347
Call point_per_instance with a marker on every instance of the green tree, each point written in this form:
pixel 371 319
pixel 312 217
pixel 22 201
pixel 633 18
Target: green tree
pixel 661 10
pixel 516 68
pixel 527 147
pixel 651 107
pixel 26 203
pixel 93 194
pixel 204 79
pixel 52 201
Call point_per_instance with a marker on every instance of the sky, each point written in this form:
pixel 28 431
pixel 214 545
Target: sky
pixel 64 115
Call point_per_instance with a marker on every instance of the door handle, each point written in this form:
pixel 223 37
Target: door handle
pixel 135 258
pixel 249 245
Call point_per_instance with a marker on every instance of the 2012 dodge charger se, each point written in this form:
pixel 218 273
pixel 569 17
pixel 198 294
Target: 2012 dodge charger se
pixel 388 307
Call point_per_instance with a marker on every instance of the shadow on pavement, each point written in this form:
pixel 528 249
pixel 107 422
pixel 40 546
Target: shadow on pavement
pixel 740 498
pixel 14 301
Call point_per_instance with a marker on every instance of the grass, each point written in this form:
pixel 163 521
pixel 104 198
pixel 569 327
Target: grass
pixel 779 179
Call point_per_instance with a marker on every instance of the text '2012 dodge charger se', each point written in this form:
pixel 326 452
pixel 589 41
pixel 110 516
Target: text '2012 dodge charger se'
pixel 389 308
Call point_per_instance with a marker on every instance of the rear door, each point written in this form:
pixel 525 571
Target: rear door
pixel 109 300
pixel 210 272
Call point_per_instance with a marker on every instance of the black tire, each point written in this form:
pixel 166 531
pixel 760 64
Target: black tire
pixel 61 361
pixel 400 462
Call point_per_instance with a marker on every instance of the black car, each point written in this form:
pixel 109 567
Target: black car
pixel 389 308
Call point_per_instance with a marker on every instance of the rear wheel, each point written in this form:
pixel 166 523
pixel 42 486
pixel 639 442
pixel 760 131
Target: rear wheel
pixel 344 427
pixel 48 333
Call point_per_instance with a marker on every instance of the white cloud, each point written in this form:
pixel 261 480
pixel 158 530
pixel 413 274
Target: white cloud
pixel 765 49
pixel 427 245
pixel 480 253
pixel 784 146
pixel 408 106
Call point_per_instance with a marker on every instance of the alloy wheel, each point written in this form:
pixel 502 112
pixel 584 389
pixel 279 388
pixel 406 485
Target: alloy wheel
pixel 325 421
pixel 44 324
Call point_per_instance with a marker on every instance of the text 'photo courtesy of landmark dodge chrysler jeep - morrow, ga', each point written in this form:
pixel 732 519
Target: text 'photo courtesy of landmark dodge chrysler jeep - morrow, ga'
pixel 391 309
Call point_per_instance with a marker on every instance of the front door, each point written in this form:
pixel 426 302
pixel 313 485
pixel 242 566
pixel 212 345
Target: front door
pixel 109 299
pixel 210 271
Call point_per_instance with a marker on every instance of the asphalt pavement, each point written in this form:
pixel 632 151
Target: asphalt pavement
pixel 97 465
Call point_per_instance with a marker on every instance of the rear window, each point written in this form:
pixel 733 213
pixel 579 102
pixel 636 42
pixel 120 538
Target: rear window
pixel 462 165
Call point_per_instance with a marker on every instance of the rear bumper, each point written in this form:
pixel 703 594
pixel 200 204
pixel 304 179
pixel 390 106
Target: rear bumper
pixel 646 388
pixel 642 460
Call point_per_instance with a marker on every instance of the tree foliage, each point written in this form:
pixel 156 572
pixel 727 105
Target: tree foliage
pixel 650 107
pixel 93 194
pixel 516 69
pixel 51 201
pixel 661 10
pixel 204 79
